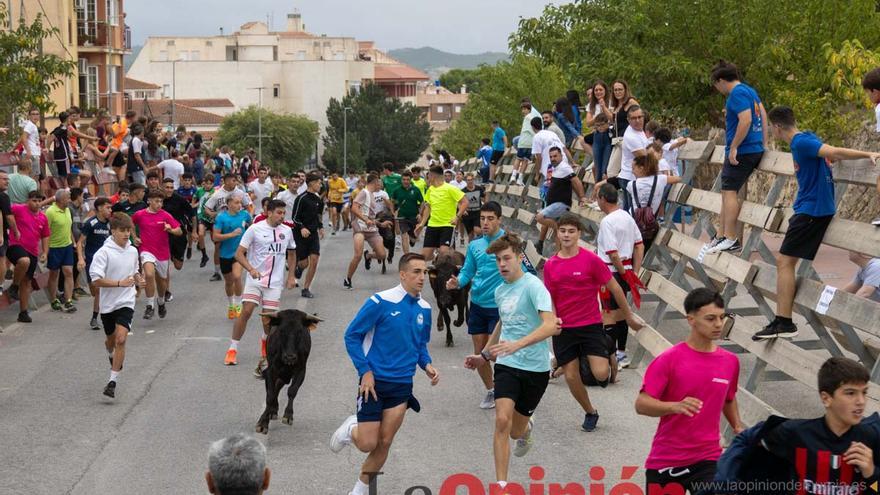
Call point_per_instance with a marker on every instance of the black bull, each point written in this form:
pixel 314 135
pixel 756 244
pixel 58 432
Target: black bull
pixel 445 266
pixel 288 348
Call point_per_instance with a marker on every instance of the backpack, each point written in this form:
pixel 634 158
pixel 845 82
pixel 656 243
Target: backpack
pixel 644 215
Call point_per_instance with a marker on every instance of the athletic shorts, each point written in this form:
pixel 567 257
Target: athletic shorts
pixel 525 388
pixel 471 221
pixel 269 299
pixel 524 153
pixel 119 316
pixel 496 156
pixel 438 236
pixel 388 395
pixel 733 177
pixel 337 206
pixel 17 252
pixel 161 266
pixel 693 478
pixel 407 226
pixel 612 305
pixel 177 244
pixel 804 236
pixel 58 257
pixel 226 265
pixel 306 246
pixel 576 342
pixel 482 320
pixel 209 226
pixel 555 210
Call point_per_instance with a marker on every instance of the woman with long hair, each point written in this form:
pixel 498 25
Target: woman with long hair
pixel 574 99
pixel 600 104
pixel 621 100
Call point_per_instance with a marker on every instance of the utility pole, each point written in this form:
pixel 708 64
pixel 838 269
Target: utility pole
pixel 345 141
pixel 260 125
pixel 173 90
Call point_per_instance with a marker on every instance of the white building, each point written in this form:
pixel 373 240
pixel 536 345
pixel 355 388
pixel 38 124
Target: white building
pixel 298 71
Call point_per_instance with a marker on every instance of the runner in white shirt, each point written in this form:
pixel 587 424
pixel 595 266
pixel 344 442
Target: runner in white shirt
pixel 30 138
pixel 172 168
pixel 262 252
pixel 288 196
pixel 259 188
pixel 619 245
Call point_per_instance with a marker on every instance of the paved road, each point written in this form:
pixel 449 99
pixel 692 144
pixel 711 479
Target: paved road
pixel 60 435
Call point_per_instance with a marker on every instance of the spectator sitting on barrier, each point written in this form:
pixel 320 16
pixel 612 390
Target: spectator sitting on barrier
pixel 814 209
pixel 866 283
pixel 237 465
pixel 871 85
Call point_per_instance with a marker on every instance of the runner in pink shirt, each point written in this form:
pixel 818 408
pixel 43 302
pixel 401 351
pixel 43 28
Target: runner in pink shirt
pixel 689 386
pixel 573 277
pixel 28 240
pixel 154 224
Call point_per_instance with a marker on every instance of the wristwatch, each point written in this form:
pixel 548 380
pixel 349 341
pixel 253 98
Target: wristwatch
pixel 486 355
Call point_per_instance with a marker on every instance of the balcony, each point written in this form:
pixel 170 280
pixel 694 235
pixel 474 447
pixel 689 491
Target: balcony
pixel 99 36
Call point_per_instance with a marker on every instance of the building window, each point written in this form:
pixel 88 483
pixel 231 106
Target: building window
pixel 112 12
pixel 163 55
pixel 275 53
pixel 209 43
pixel 183 55
pixel 457 108
pixel 354 87
pixel 338 56
pixel 91 88
pixel 439 108
pixel 276 90
pixel 195 55
pixel 301 55
pixel 170 43
pixel 166 90
pixel 114 78
pixel 231 54
pixel 140 95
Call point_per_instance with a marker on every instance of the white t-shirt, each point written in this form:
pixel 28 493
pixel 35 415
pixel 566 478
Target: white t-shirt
pixel 379 198
pixel 137 145
pixel 541 144
pixel 619 233
pixel 458 184
pixel 267 252
pixel 173 169
pixel 644 190
pixel 671 157
pixel 260 191
pixel 288 198
pixel 302 188
pixel 217 201
pixel 633 140
pixel 33 137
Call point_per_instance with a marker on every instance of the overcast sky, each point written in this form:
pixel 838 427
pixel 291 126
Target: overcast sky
pixel 459 26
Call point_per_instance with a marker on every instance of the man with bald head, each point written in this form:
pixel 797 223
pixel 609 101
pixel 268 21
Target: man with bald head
pixel 60 251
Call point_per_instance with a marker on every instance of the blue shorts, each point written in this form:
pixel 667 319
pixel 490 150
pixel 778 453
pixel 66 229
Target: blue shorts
pixel 389 395
pixel 59 257
pixel 555 210
pixel 524 153
pixel 482 320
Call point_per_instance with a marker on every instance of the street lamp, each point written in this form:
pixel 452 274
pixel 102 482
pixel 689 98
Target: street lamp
pixel 345 111
pixel 260 125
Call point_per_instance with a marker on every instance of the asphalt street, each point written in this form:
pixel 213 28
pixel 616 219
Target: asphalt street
pixel 60 435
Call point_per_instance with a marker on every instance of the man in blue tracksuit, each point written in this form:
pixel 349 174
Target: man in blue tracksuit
pixel 481 271
pixel 385 341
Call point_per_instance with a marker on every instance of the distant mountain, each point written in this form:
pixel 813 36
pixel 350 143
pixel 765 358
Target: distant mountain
pixel 436 62
pixel 129 59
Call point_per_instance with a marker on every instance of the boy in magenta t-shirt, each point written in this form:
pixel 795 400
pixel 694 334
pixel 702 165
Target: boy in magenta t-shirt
pixel 154 224
pixel 688 387
pixel 28 241
pixel 573 277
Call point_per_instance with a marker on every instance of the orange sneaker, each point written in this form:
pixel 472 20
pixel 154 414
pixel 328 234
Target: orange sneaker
pixel 231 313
pixel 230 357
pixel 262 348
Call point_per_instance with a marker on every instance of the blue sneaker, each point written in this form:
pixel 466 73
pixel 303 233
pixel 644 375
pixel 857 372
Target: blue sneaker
pixel 590 420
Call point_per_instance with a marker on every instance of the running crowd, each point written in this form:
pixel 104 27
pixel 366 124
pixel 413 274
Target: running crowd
pixel 167 197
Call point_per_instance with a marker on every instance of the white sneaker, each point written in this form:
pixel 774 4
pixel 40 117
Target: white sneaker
pixel 342 436
pixel 622 361
pixel 524 444
pixel 875 221
pixel 519 182
pixel 722 245
pixel 488 401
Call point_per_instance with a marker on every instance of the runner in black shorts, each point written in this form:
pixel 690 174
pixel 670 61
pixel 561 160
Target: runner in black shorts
pixel 308 230
pixel 814 210
pixel 475 195
pixel 407 201
pixel 182 211
pixel 444 207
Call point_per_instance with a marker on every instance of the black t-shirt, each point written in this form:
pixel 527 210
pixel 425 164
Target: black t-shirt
pixel 95 232
pixel 179 208
pixel 816 454
pixel 129 208
pixel 5 210
pixel 61 149
pixel 560 190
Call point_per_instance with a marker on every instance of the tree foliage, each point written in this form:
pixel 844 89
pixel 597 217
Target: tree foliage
pixel 456 78
pixel 380 130
pixel 791 51
pixel 292 137
pixel 26 76
pixel 502 86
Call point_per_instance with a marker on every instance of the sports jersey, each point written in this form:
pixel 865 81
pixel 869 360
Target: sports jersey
pixel 519 306
pixel 218 200
pixel 574 285
pixel 336 190
pixel 389 336
pixel 618 233
pixel 187 193
pixel 95 232
pixel 151 230
pixel 267 252
pixel 260 191
pixel 391 182
pixel 202 196
pixel 560 184
pixel 444 204
pixel 60 223
pixel 226 223
pixel 408 201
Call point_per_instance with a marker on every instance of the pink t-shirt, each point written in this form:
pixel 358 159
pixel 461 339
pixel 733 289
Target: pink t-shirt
pixel 574 286
pixel 681 372
pixel 33 227
pixel 151 230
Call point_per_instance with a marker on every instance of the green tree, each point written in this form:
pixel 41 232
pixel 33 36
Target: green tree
pixel 291 141
pixel 456 78
pixel 26 76
pixel 502 87
pixel 665 51
pixel 380 130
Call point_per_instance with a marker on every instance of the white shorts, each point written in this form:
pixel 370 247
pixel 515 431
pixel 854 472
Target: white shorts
pixel 161 266
pixel 269 299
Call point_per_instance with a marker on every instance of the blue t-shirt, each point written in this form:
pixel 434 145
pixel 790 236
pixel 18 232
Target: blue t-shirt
pixel 498 139
pixel 227 223
pixel 95 232
pixel 743 97
pixel 815 196
pixel 518 307
pixel 485 155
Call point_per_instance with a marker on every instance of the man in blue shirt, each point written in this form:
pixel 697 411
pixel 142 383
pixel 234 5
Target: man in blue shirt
pixel 521 348
pixel 814 209
pixel 485 156
pixel 499 145
pixel 481 271
pixel 746 135
pixel 228 229
pixel 385 341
